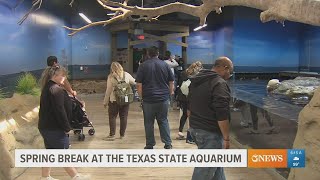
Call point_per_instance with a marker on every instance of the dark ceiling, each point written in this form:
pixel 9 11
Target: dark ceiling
pixel 96 12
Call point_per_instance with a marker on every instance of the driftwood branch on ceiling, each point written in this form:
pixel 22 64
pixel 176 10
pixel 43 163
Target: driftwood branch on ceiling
pixel 36 4
pixel 303 11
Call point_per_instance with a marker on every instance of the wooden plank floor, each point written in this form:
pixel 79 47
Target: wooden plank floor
pixel 135 139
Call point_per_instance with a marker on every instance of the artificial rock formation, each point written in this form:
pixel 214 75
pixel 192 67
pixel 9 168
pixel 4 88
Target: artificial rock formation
pixel 18 130
pixel 308 138
pixel 89 86
pixel 297 87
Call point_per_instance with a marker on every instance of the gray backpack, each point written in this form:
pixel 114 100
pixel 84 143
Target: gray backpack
pixel 123 92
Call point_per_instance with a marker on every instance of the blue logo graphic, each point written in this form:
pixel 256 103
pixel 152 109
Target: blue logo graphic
pixel 296 158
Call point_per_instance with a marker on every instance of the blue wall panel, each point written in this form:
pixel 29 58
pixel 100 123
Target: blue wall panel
pixel 174 48
pixel 208 45
pixel 91 46
pixel 309 49
pixel 267 45
pixel 122 39
pixel 26 47
pixel 201 47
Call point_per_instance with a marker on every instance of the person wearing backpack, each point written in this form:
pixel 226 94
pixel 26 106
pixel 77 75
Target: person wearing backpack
pixel 192 70
pixel 117 98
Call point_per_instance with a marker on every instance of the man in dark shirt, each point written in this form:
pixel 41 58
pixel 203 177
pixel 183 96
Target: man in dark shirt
pixel 209 99
pixel 53 61
pixel 155 85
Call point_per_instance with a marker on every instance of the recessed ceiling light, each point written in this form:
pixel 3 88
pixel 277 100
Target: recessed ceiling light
pixel 85 18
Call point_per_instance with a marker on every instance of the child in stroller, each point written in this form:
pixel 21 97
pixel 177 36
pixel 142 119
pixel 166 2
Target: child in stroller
pixel 80 119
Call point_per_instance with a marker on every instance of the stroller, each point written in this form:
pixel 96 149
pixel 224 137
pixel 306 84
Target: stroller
pixel 80 119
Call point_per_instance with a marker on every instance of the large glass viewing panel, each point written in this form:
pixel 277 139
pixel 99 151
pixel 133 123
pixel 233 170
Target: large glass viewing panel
pixel 254 92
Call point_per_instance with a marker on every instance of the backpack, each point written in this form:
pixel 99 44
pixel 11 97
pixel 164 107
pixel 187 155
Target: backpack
pixel 123 92
pixel 185 87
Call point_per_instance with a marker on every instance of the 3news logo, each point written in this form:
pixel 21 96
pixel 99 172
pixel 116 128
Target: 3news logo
pixel 296 158
pixel 276 158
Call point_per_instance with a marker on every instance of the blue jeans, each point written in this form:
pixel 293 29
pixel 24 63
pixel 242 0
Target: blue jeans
pixel 158 111
pixel 207 140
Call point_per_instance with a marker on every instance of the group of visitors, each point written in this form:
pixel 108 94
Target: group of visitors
pixel 209 117
pixel 155 83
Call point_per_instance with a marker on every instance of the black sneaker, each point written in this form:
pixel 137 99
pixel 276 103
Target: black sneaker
pixel 169 146
pixel 190 141
pixel 148 147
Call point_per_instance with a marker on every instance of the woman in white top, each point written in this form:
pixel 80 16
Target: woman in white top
pixel 116 74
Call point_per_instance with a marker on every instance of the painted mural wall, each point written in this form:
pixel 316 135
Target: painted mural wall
pixel 309 49
pixel 201 47
pixel 26 47
pixel 264 47
pixel 91 53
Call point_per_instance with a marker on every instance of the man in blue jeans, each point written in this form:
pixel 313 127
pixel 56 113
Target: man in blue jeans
pixel 209 98
pixel 155 85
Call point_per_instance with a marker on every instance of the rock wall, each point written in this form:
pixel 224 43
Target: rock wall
pixel 308 138
pixel 89 86
pixel 18 130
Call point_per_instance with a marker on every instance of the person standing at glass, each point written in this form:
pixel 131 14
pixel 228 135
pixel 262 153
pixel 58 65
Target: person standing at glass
pixel 209 99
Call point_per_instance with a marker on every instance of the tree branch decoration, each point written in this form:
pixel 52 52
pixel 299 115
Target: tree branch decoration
pixel 303 11
pixel 36 4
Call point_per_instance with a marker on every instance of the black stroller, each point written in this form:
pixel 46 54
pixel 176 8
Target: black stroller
pixel 80 119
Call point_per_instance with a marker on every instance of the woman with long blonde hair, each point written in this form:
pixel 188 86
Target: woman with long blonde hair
pixel 192 70
pixel 116 74
pixel 54 116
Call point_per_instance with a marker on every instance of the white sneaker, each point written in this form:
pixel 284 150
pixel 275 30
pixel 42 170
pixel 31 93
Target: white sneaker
pixel 110 138
pixel 48 178
pixel 252 131
pixel 81 177
pixel 180 134
pixel 243 124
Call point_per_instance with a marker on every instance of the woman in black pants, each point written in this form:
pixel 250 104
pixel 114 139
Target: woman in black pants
pixel 54 115
pixel 192 70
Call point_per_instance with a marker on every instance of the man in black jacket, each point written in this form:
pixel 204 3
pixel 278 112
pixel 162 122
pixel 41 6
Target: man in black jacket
pixel 209 99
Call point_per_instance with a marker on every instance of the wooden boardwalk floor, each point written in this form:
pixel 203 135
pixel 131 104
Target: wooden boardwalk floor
pixel 135 139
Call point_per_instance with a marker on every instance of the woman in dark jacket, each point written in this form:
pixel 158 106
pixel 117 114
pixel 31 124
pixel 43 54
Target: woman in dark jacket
pixel 192 70
pixel 54 115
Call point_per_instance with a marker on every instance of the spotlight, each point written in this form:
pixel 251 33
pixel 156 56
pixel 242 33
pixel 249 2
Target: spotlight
pixel 200 27
pixel 85 18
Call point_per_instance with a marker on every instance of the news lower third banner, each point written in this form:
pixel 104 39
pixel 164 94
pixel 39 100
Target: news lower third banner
pixel 130 158
pixel 253 158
